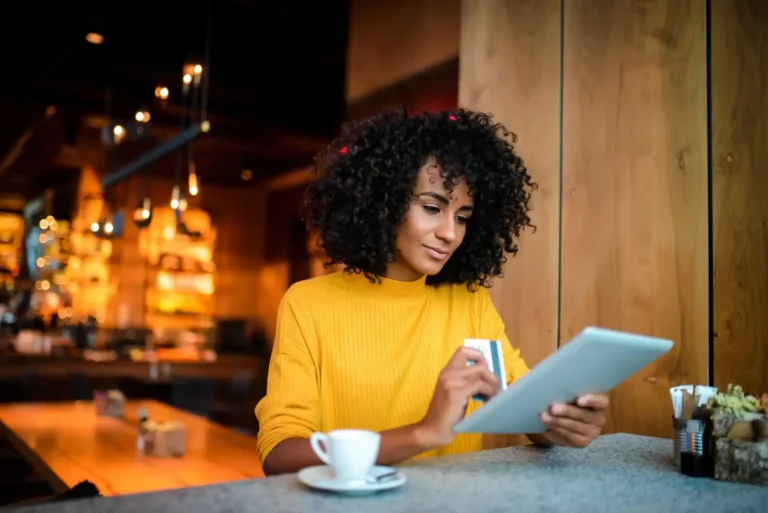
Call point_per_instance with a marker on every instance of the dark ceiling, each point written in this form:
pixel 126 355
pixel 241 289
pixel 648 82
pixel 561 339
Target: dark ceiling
pixel 276 83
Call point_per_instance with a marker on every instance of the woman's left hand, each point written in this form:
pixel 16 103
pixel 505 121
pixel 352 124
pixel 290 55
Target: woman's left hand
pixel 576 425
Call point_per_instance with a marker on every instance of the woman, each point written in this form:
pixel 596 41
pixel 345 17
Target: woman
pixel 420 211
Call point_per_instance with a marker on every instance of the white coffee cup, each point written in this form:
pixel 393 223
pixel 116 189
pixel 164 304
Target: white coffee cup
pixel 351 453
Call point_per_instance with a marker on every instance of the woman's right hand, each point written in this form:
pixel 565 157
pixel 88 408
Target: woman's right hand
pixel 456 385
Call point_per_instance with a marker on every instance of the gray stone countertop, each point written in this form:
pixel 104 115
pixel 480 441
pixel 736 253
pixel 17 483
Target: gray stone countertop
pixel 617 473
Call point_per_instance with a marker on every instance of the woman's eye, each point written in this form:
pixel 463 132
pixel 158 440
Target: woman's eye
pixel 431 209
pixel 462 220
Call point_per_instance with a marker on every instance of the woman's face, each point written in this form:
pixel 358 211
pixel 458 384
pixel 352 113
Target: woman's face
pixel 433 228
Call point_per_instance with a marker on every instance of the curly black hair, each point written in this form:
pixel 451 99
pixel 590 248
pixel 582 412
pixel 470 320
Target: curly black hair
pixel 366 180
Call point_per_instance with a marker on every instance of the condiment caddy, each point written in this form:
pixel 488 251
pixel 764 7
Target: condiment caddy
pixel 720 435
pixel 162 439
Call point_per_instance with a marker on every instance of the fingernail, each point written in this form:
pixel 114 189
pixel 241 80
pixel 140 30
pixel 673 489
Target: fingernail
pixel 583 401
pixel 558 409
pixel 546 418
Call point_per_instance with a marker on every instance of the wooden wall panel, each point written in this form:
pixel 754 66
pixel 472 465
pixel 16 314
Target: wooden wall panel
pixel 391 40
pixel 510 66
pixel 634 213
pixel 739 103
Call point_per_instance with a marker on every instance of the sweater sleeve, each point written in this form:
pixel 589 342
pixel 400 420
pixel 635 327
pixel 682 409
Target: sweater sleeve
pixel 492 327
pixel 291 406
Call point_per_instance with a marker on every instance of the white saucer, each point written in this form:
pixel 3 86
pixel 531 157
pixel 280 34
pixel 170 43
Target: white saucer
pixel 322 478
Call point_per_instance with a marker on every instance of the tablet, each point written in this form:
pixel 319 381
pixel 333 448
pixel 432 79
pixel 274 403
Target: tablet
pixel 594 361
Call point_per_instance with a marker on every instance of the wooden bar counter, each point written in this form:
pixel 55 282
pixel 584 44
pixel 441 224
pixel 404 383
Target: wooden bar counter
pixel 78 445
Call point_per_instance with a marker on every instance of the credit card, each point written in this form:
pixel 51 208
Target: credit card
pixel 493 354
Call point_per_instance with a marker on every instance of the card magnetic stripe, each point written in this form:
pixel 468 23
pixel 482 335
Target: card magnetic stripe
pixel 495 360
pixel 495 364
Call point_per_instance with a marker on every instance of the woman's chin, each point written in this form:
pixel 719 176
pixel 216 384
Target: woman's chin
pixel 431 268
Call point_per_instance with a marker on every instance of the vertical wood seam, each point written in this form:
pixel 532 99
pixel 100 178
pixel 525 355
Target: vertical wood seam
pixel 710 194
pixel 560 179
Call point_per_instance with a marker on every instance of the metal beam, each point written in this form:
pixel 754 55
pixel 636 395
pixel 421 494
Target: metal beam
pixel 151 156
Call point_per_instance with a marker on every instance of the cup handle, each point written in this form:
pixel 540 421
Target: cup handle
pixel 314 441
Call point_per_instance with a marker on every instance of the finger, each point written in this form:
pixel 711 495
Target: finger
pixel 594 401
pixel 472 389
pixel 464 355
pixel 572 426
pixel 569 438
pixel 584 415
pixel 556 438
pixel 475 372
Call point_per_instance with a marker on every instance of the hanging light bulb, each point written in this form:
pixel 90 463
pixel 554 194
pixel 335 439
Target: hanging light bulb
pixel 142 115
pixel 194 186
pixel 108 226
pixel 146 209
pixel 161 92
pixel 118 134
pixel 175 195
pixel 142 216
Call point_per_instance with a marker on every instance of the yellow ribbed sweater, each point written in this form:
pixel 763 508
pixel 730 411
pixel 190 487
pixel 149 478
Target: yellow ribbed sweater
pixel 352 354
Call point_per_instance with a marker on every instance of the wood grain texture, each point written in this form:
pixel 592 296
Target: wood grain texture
pixel 78 445
pixel 634 243
pixel 510 66
pixel 390 40
pixel 739 103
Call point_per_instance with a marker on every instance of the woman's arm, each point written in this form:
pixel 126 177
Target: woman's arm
pixel 291 407
pixel 457 383
pixel 397 445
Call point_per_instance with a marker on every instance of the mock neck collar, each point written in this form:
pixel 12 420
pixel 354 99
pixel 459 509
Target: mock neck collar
pixel 387 287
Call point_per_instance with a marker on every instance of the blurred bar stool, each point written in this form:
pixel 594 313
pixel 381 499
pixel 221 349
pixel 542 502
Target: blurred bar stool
pixel 195 395
pixel 80 386
pixel 237 411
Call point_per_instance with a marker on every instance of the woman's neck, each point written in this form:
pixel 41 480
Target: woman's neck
pixel 399 272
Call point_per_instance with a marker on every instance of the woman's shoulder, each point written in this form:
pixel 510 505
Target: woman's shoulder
pixel 313 288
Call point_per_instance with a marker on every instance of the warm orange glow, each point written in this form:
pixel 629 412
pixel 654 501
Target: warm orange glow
pixel 175 195
pixel 187 78
pixel 142 116
pixel 40 262
pixel 193 185
pixel 109 447
pixel 161 92
pixel 94 38
pixel 192 68
pixel 246 174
